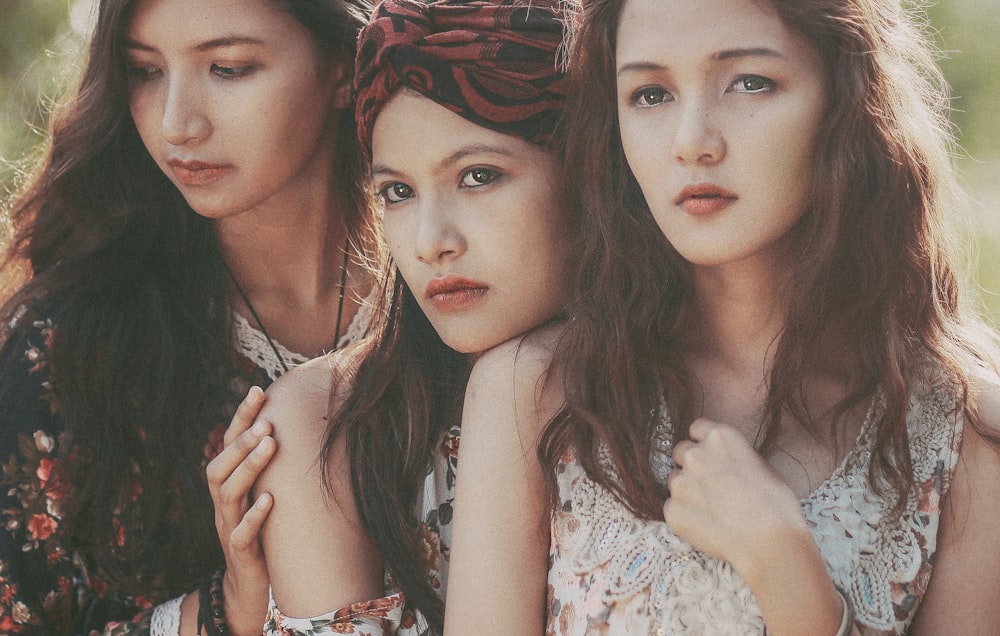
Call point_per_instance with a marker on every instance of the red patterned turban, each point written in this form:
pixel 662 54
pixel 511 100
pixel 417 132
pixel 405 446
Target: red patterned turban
pixel 492 62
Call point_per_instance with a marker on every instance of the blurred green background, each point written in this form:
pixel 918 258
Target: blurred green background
pixel 40 47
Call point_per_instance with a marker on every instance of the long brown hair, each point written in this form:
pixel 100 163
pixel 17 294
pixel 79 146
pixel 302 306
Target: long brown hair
pixel 406 393
pixel 875 278
pixel 141 358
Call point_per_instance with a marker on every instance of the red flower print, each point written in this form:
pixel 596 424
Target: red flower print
pixel 930 497
pixel 99 586
pixel 569 456
pixel 429 547
pixel 449 445
pixel 54 482
pixel 44 470
pixel 41 526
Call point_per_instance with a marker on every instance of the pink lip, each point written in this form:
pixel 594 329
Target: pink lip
pixel 454 293
pixel 196 173
pixel 704 198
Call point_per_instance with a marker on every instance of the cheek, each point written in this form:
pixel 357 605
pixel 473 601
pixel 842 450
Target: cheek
pixel 630 136
pixel 145 114
pixel 397 239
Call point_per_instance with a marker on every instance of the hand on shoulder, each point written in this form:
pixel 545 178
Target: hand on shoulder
pixel 299 402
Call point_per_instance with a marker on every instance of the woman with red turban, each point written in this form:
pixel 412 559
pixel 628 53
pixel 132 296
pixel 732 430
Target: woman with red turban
pixel 458 110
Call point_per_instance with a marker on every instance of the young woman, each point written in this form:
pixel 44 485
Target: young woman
pixel 780 412
pixel 457 105
pixel 188 234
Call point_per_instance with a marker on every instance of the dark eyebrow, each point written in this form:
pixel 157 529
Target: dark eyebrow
pixel 751 52
pixel 640 67
pixel 215 43
pixel 453 158
pixel 728 54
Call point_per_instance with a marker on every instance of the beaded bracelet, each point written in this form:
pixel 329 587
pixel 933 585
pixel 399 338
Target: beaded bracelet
pixel 847 622
pixel 212 606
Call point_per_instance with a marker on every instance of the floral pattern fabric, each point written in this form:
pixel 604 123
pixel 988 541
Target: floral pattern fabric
pixel 613 573
pixel 390 615
pixel 46 587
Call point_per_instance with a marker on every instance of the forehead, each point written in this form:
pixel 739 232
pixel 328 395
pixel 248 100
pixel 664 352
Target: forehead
pixel 189 22
pixel 682 29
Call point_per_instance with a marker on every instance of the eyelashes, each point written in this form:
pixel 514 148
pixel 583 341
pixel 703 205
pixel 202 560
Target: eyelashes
pixel 652 96
pixel 477 177
pixel 143 72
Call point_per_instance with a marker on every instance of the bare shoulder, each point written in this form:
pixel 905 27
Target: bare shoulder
pixel 299 402
pixel 963 596
pixel 984 395
pixel 979 455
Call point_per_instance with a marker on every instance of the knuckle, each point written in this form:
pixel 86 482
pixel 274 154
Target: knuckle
pixel 214 473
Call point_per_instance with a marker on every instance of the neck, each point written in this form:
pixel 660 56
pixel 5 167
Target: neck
pixel 290 265
pixel 296 254
pixel 737 315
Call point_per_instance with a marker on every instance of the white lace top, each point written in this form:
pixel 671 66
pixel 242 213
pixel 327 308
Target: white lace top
pixel 252 343
pixel 613 573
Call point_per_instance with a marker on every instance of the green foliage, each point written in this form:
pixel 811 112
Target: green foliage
pixel 38 55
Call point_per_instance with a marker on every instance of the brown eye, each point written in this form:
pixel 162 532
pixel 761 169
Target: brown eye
pixel 479 177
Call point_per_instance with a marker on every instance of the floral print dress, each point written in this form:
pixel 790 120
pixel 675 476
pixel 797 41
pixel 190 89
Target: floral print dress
pixel 390 614
pixel 46 587
pixel 613 573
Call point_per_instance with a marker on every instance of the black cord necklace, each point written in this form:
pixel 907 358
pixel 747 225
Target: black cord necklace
pixel 260 323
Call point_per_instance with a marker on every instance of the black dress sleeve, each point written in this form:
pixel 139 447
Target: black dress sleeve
pixel 37 574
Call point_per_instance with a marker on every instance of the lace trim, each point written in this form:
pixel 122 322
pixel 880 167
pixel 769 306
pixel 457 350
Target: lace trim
pixel 166 618
pixel 645 567
pixel 252 343
pixel 882 561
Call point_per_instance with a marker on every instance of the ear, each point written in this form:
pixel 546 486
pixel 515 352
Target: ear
pixel 342 86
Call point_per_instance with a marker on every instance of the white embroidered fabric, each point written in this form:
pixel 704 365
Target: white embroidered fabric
pixel 252 343
pixel 613 573
pixel 166 618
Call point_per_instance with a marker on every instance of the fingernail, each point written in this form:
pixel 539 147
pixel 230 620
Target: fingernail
pixel 253 395
pixel 263 447
pixel 258 428
pixel 263 501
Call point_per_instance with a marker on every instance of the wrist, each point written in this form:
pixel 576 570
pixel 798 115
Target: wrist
pixel 241 619
pixel 795 593
pixel 212 606
pixel 847 621
pixel 786 544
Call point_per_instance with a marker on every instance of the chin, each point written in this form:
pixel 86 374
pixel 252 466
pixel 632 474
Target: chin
pixel 466 347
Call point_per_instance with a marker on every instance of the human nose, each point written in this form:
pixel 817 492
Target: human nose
pixel 697 140
pixel 438 237
pixel 184 119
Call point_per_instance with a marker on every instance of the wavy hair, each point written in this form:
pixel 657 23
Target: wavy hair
pixel 134 280
pixel 408 390
pixel 874 290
